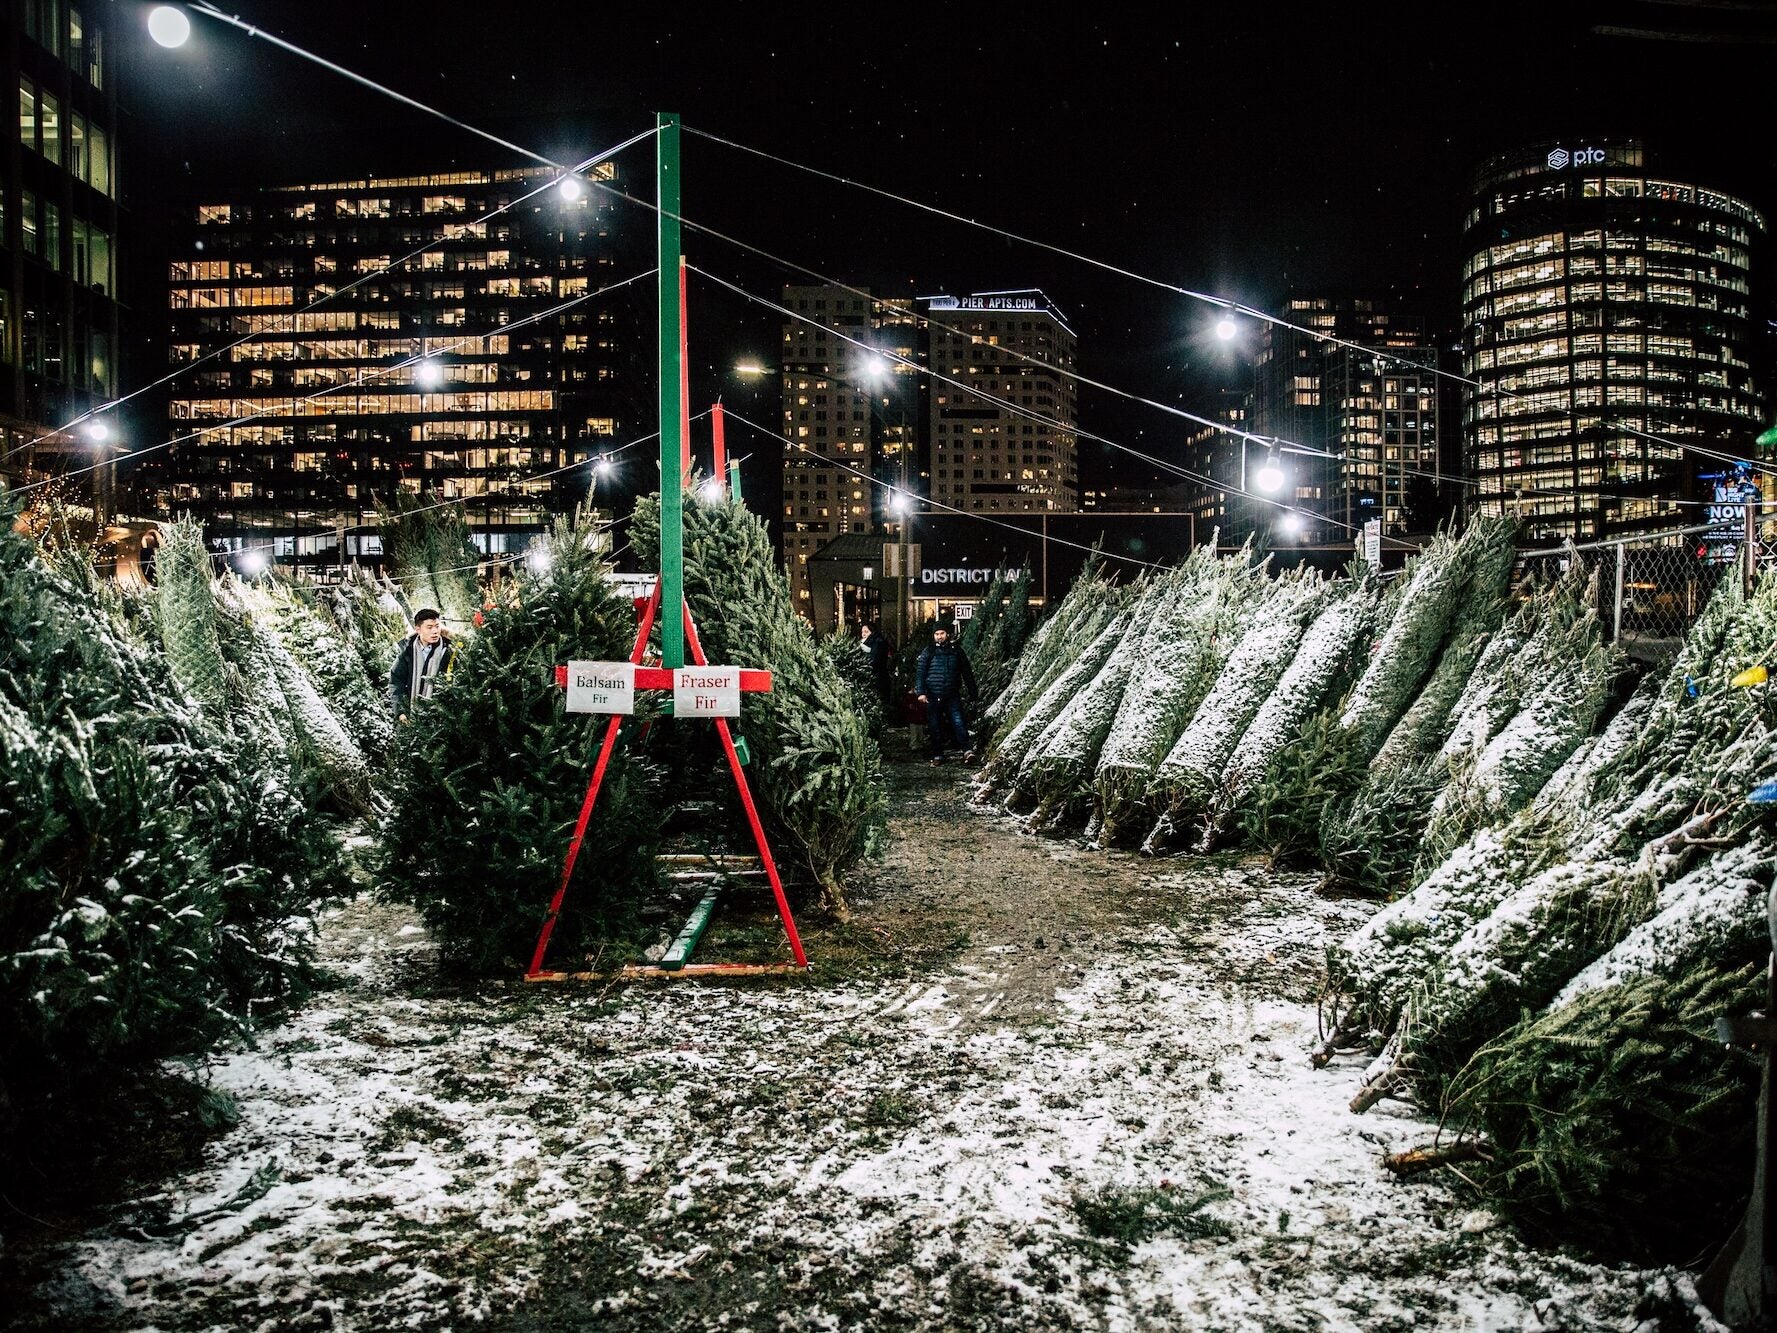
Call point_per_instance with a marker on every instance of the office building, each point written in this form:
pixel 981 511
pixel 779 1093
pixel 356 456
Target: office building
pixel 1608 323
pixel 1358 391
pixel 59 228
pixel 1003 407
pixel 988 429
pixel 846 407
pixel 436 333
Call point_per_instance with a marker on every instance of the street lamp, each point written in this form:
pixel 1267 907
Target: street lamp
pixel 1226 327
pixel 571 189
pixel 428 374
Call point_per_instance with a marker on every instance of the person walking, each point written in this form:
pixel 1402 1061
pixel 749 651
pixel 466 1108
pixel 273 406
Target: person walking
pixel 426 657
pixel 940 680
pixel 880 653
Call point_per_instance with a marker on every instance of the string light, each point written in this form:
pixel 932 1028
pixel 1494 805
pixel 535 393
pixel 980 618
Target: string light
pixel 1221 301
pixel 1269 478
pixel 1007 405
pixel 169 26
pixel 333 294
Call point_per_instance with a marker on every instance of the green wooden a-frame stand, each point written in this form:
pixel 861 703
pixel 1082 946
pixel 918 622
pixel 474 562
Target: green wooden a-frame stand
pixel 667 604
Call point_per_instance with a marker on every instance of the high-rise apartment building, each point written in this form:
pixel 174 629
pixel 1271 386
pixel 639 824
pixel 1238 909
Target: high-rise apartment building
pixel 1359 392
pixel 1212 454
pixel 990 429
pixel 1608 324
pixel 1002 404
pixel 836 387
pixel 59 223
pixel 355 339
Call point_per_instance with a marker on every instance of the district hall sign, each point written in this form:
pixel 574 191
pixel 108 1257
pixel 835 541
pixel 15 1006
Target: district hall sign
pixel 965 576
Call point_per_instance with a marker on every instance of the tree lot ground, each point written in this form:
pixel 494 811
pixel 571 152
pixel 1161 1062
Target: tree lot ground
pixel 1029 1086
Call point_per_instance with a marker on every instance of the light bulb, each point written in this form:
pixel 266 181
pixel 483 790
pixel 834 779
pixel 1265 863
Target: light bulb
pixel 168 25
pixel 97 431
pixel 428 374
pixel 1269 476
pixel 571 188
pixel 539 559
pixel 252 562
pixel 1226 328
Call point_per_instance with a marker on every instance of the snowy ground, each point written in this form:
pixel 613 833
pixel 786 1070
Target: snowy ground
pixel 1092 1109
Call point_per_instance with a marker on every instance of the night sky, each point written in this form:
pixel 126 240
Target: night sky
pixel 1251 149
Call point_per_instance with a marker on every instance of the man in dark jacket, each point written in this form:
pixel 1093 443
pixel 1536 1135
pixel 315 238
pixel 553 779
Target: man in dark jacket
pixel 878 652
pixel 425 659
pixel 942 676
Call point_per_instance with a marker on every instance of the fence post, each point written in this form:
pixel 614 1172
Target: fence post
pixel 1616 617
pixel 1749 546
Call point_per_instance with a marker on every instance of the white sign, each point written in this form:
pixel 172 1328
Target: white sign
pixel 1560 158
pixel 962 576
pixel 601 687
pixel 1372 543
pixel 706 691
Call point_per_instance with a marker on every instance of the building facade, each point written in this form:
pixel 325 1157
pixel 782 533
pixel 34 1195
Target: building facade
pixel 352 340
pixel 1608 323
pixel 1359 392
pixel 847 418
pixel 1003 409
pixel 869 439
pixel 59 227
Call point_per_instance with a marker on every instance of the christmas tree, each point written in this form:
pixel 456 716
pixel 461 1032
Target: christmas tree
pixel 487 779
pixel 161 875
pixel 816 771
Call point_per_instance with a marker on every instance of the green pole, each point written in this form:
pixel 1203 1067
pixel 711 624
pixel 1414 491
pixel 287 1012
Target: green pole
pixel 672 499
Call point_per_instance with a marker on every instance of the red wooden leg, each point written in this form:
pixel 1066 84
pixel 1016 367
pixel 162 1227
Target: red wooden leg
pixel 765 858
pixel 592 790
pixel 567 870
pixel 746 799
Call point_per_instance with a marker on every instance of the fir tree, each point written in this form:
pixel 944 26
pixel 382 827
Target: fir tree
pixel 487 780
pixel 816 770
pixel 160 874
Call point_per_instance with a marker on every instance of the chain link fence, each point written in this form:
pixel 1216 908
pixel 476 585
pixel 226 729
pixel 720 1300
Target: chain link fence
pixel 1648 589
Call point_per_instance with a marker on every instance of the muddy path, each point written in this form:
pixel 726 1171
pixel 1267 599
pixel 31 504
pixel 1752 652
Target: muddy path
pixel 1028 1086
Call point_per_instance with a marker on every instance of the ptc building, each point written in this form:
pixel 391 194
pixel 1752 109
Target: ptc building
pixel 1608 325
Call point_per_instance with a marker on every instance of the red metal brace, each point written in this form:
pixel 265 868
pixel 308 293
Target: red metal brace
pixel 592 791
pixel 746 800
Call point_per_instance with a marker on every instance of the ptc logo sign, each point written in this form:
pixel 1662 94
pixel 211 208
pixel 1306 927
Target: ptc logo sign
pixel 1582 157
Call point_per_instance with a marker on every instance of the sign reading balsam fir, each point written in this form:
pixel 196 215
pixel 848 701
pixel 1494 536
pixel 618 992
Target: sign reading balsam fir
pixel 601 687
pixel 706 691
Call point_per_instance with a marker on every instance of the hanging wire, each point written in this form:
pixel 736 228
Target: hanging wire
pixel 939 504
pixel 295 315
pixel 252 30
pixel 1207 298
pixel 1035 416
pixel 285 404
pixel 606 456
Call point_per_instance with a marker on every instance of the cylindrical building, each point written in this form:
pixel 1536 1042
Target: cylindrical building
pixel 1605 304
